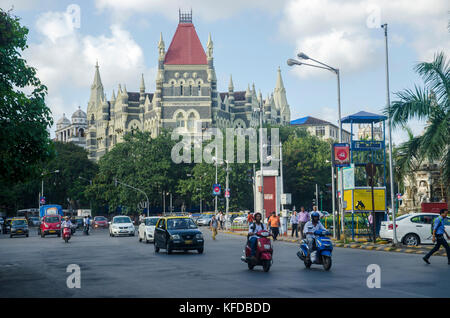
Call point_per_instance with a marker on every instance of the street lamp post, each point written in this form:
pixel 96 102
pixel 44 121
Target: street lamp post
pixel 388 102
pixel 261 113
pixel 42 184
pixel 303 56
pixel 227 198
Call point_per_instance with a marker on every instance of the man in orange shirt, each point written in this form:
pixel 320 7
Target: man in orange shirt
pixel 249 218
pixel 274 223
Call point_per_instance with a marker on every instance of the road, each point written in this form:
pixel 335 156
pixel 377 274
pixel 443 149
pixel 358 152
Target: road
pixel 123 267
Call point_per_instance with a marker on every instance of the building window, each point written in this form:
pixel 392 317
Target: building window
pixel 191 122
pixel 190 90
pixel 320 131
pixel 199 90
pixel 181 89
pixel 180 120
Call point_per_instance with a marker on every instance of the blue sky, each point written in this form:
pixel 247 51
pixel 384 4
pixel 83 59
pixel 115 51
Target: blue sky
pixel 251 39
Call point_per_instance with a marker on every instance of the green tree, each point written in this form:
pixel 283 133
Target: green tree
pixel 24 117
pixel 430 103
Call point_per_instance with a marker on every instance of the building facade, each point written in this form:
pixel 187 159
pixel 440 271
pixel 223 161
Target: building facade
pixel 321 128
pixel 186 96
pixel 73 131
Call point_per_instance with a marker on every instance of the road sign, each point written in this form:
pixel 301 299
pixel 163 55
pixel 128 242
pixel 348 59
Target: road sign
pixel 360 199
pixel 341 155
pixel 227 193
pixel 399 196
pixel 349 177
pixel 367 145
pixel 286 198
pixel 216 189
pixel 42 200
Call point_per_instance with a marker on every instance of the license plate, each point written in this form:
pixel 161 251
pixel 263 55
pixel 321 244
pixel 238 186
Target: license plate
pixel 188 242
pixel 19 231
pixel 123 231
pixel 51 231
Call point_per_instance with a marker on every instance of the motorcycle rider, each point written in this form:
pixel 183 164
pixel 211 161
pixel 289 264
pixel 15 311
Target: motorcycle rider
pixel 87 222
pixel 67 223
pixel 310 227
pixel 254 228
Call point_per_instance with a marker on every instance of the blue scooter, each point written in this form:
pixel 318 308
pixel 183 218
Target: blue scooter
pixel 322 254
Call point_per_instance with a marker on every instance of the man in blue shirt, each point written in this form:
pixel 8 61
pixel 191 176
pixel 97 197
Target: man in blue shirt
pixel 438 236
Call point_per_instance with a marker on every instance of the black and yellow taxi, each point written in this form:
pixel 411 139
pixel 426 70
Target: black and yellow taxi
pixel 177 233
pixel 19 226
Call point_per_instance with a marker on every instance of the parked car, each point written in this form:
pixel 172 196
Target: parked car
pixel 412 229
pixel 178 233
pixel 50 224
pixel 100 221
pixel 146 230
pixel 19 226
pixel 240 220
pixel 204 220
pixel 121 225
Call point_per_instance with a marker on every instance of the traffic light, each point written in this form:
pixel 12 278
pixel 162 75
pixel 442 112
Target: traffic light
pixel 314 201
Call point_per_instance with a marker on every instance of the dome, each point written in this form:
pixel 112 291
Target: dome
pixel 79 114
pixel 63 121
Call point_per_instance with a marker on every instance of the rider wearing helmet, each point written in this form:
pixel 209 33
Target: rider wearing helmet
pixel 254 228
pixel 66 222
pixel 310 227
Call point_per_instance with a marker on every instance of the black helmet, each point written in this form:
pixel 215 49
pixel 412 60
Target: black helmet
pixel 315 214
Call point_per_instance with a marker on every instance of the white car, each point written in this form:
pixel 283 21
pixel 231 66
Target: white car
pixel 121 225
pixel 240 220
pixel 146 230
pixel 412 229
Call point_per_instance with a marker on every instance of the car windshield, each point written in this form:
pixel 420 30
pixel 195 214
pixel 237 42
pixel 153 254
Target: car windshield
pixel 180 224
pixel 122 220
pixel 19 222
pixel 401 217
pixel 52 219
pixel 151 222
pixel 99 218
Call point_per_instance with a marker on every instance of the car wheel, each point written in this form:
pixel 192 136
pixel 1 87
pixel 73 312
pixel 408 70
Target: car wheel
pixel 10 236
pixel 326 261
pixel 250 266
pixel 168 249
pixel 200 250
pixel 411 239
pixel 42 234
pixel 156 248
pixel 140 240
pixel 26 235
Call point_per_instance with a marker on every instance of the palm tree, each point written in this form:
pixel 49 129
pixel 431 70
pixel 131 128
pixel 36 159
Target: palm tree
pixel 430 103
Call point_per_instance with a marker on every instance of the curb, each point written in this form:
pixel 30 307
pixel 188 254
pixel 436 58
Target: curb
pixel 365 246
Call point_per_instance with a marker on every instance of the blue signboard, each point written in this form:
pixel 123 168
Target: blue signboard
pixel 367 145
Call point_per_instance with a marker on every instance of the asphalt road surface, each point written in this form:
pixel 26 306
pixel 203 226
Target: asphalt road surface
pixel 123 267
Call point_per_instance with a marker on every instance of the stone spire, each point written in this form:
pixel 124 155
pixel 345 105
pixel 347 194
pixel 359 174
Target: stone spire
pixel 142 91
pixel 113 97
pixel 96 90
pixel 209 46
pixel 280 99
pixel 161 47
pixel 230 85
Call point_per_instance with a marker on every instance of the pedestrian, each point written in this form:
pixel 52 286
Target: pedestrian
pixel 438 236
pixel 249 218
pixel 221 219
pixel 294 223
pixel 303 218
pixel 274 223
pixel 214 224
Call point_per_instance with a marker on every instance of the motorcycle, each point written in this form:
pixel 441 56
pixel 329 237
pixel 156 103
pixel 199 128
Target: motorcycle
pixel 321 255
pixel 264 251
pixel 66 234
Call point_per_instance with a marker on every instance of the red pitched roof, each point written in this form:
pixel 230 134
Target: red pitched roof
pixel 185 47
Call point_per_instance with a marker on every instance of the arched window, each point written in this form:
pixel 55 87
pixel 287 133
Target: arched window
pixel 199 90
pixel 180 120
pixel 190 90
pixel 191 122
pixel 181 89
pixel 173 89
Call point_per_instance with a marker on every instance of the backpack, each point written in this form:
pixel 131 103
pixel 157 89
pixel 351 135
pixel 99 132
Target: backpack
pixel 432 224
pixel 254 226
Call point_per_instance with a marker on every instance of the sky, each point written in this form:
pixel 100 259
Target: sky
pixel 252 38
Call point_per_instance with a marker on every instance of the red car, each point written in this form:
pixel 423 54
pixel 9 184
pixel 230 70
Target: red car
pixel 50 224
pixel 100 221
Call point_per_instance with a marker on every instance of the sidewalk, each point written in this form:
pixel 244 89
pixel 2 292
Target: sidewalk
pixel 361 244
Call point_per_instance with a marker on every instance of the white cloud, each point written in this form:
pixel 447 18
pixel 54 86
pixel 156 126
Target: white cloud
pixel 341 33
pixel 206 10
pixel 65 61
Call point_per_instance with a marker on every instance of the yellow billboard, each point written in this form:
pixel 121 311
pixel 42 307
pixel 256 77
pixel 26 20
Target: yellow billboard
pixel 360 199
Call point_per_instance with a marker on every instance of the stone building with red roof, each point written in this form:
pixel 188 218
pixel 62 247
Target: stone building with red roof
pixel 186 96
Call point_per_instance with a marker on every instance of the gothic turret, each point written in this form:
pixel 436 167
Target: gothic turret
pixel 96 91
pixel 281 101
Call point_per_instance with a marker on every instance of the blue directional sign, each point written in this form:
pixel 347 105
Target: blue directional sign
pixel 216 189
pixel 367 145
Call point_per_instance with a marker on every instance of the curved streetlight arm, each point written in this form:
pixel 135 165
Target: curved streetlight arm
pixel 139 190
pixel 328 66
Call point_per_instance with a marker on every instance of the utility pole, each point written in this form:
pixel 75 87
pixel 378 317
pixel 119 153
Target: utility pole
pixel 388 102
pixel 227 198
pixel 317 194
pixel 261 157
